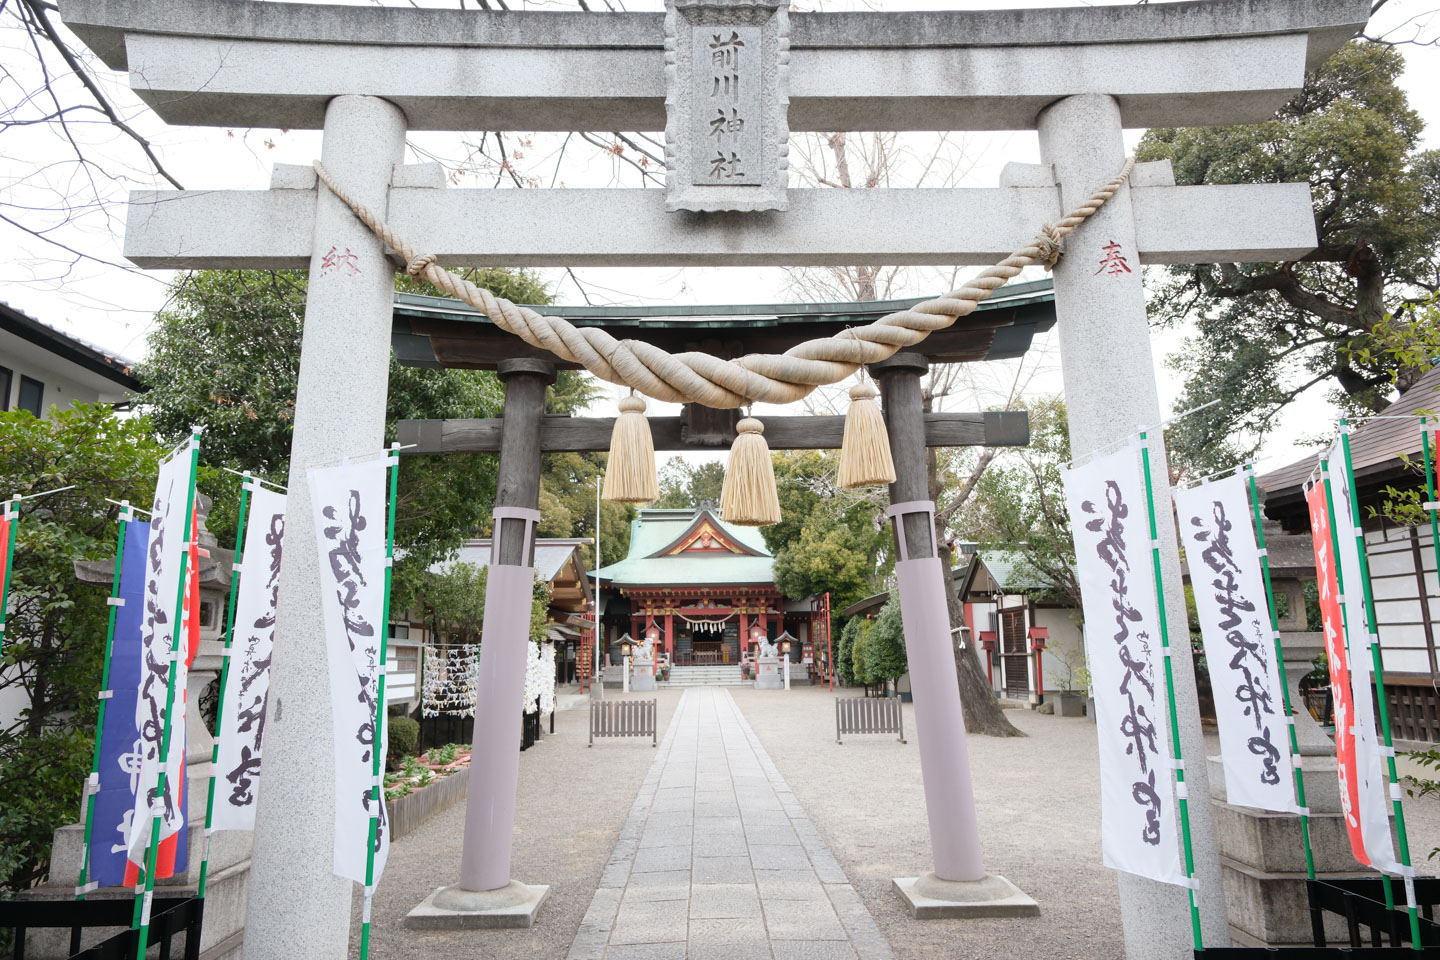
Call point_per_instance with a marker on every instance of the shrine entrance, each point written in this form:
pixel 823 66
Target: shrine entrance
pixel 367 77
pixel 705 653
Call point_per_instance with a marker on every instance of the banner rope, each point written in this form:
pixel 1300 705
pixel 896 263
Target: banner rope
pixel 756 378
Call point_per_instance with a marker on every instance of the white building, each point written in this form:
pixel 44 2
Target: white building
pixel 1386 453
pixel 1030 637
pixel 40 368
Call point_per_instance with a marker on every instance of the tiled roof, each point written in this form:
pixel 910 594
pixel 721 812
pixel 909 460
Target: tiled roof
pixel 1376 447
pixel 654 530
pixel 1012 572
pixel 70 347
pixel 1374 443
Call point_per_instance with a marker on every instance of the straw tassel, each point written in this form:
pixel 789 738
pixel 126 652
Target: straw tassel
pixel 748 497
pixel 865 452
pixel 630 471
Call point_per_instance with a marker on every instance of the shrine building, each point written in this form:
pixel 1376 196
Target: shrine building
pixel 707 588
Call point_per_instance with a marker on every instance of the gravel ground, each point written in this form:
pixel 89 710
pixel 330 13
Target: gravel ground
pixel 1039 811
pixel 572 802
pixel 1038 802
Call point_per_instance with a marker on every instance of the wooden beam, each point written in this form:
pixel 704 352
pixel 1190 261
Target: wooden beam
pixel 480 345
pixel 561 434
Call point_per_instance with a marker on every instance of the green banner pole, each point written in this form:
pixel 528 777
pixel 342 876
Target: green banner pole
pixel 148 895
pixel 11 513
pixel 92 782
pixel 1432 509
pixel 235 576
pixel 1180 789
pixel 377 763
pixel 1378 665
pixel 1284 683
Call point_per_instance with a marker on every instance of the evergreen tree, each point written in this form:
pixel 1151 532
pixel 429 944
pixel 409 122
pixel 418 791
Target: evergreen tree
pixel 1265 333
pixel 885 644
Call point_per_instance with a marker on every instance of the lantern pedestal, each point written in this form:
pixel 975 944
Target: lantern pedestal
pixel 767 674
pixel 642 680
pixel 930 898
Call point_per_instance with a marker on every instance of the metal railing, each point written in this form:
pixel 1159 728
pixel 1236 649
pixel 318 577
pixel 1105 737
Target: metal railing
pixel 170 917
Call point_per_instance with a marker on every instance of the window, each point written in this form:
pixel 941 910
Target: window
pixel 405 660
pixel 399 631
pixel 6 376
pixel 32 395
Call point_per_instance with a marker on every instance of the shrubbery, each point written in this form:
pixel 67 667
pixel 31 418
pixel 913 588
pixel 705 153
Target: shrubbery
pixel 859 667
pixel 843 669
pixel 885 644
pixel 404 739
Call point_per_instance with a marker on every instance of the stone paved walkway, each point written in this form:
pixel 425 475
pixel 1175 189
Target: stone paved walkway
pixel 718 860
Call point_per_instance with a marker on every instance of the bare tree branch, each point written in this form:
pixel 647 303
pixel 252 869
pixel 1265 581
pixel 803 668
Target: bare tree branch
pixel 41 13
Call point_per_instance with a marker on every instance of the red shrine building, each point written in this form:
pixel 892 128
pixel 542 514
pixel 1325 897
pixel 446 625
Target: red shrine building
pixel 707 590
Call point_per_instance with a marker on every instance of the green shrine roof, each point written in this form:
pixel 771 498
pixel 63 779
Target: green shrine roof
pixel 689 548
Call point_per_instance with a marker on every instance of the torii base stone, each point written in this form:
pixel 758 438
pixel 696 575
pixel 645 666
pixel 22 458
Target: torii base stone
pixel 930 898
pixel 451 908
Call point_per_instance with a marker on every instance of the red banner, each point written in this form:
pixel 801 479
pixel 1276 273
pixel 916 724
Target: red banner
pixel 1334 624
pixel 4 549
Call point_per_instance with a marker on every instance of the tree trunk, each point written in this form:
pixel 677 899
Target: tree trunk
pixel 982 711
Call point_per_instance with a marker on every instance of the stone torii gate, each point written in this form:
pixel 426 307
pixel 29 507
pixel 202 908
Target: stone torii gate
pixel 366 76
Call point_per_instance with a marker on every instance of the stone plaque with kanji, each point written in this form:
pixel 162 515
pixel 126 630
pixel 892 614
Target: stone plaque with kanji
pixel 727 92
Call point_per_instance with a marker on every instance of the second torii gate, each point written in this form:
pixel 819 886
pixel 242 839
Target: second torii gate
pixel 366 76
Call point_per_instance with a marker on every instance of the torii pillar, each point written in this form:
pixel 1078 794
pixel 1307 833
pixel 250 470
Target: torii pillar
pixel 1110 393
pixel 958 887
pixel 297 907
pixel 485 895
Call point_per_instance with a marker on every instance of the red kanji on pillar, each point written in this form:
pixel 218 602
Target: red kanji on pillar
pixel 1114 262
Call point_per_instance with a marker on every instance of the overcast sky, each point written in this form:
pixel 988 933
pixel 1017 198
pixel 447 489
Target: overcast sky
pixel 104 303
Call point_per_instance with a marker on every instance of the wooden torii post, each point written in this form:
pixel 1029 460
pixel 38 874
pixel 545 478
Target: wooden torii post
pixel 368 76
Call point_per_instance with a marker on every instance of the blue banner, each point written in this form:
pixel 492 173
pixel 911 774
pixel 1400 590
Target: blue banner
pixel 119 740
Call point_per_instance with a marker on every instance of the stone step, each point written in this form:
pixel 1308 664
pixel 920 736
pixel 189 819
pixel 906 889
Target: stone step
pixel 709 675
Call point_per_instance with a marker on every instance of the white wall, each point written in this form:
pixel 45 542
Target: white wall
pixel 1066 643
pixel 65 382
pixel 1396 591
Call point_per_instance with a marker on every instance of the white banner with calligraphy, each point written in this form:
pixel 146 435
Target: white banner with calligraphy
pixel 1239 639
pixel 247 684
pixel 1374 785
pixel 349 505
pixel 1139 828
pixel 158 641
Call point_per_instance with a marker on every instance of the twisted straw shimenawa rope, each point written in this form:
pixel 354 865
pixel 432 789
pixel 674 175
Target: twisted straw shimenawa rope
pixel 757 378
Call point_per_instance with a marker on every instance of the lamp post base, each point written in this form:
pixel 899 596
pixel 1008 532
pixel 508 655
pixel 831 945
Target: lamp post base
pixel 451 908
pixel 930 898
